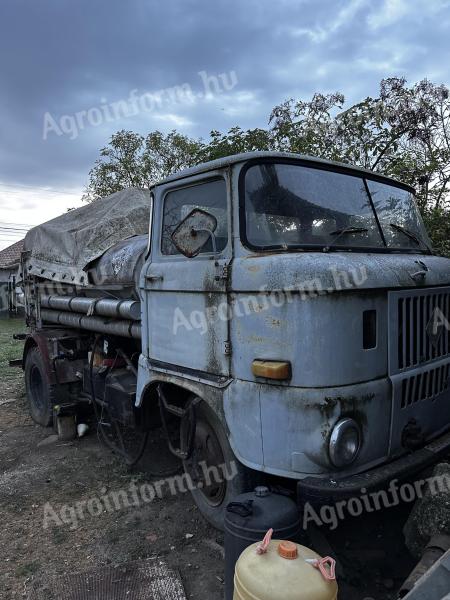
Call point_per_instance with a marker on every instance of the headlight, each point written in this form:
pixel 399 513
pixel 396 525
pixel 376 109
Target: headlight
pixel 345 442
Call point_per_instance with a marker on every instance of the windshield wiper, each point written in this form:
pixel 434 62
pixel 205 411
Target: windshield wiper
pixel 341 232
pixel 413 236
pixel 349 230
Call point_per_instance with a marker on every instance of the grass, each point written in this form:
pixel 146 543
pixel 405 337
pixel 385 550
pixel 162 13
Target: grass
pixel 10 349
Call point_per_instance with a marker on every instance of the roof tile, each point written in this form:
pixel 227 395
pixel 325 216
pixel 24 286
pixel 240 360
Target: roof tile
pixel 10 256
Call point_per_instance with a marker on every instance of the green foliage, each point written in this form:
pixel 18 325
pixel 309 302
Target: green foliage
pixel 403 133
pixel 437 221
pixel 130 160
pixel 167 154
pixel 386 134
pixel 236 141
pixel 307 127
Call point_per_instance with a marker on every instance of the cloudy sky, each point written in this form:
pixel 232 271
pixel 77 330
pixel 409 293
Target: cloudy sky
pixel 75 71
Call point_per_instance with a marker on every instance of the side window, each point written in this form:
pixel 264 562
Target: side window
pixel 210 197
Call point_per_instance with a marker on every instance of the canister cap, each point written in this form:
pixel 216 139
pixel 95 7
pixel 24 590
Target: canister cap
pixel 288 550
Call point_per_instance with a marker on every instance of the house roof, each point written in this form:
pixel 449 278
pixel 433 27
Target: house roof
pixel 10 257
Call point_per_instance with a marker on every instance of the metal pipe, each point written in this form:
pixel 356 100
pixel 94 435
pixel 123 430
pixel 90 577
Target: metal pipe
pixel 106 307
pixel 127 329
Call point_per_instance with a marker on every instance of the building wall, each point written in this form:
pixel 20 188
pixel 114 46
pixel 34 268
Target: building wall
pixel 7 295
pixel 4 303
pixel 5 275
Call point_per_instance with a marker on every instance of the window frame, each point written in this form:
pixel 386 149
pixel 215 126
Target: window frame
pixel 182 185
pixel 321 166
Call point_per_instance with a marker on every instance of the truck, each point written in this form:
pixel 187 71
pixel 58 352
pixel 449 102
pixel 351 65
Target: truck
pixel 278 316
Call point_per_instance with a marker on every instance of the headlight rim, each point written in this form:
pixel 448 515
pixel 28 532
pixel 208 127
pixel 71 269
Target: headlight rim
pixel 336 438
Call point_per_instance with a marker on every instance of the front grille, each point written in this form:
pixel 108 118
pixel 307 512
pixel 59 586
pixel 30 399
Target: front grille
pixel 419 361
pixel 416 341
pixel 425 385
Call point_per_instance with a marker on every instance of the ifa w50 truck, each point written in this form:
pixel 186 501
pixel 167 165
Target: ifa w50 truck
pixel 273 313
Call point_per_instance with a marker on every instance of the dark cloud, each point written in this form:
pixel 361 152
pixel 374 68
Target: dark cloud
pixel 62 57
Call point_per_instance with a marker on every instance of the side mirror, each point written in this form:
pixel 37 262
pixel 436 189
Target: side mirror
pixel 194 231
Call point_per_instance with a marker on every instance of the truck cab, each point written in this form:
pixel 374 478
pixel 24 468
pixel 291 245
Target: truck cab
pixel 312 322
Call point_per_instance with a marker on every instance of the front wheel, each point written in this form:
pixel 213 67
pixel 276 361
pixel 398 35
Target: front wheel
pixel 216 476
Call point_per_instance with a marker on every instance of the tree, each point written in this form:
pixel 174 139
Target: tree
pixel 130 160
pixel 403 133
pixel 236 141
pixel 167 154
pixel 308 127
pixel 437 222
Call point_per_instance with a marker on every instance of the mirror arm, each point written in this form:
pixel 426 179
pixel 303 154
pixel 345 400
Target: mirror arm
pixel 211 235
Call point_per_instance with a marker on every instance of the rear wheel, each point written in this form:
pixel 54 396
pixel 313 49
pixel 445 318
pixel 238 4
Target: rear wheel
pixel 217 476
pixel 41 393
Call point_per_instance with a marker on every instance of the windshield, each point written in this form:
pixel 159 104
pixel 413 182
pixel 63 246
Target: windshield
pixel 289 205
pixel 396 209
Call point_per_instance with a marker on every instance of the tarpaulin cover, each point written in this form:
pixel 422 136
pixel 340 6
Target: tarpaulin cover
pixel 62 248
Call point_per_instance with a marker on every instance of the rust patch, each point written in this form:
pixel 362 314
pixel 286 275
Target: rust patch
pixel 211 301
pixel 327 407
pixel 325 431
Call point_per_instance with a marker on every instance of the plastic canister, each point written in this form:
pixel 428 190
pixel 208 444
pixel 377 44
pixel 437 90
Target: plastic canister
pixel 285 571
pixel 247 520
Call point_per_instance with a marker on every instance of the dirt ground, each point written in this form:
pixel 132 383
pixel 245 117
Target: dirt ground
pixel 36 469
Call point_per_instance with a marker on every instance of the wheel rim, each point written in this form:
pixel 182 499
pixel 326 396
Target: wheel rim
pixel 37 388
pixel 208 456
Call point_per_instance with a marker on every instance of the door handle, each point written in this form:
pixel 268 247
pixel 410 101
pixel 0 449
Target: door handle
pixel 153 278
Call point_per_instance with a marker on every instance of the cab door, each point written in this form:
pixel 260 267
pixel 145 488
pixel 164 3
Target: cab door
pixel 186 299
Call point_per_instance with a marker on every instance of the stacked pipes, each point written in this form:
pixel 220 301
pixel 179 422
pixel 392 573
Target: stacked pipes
pixel 122 315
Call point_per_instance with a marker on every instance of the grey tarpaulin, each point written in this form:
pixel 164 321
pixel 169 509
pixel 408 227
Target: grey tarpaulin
pixel 62 248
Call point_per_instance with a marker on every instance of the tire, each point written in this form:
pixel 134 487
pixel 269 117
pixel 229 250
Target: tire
pixel 212 454
pixel 41 394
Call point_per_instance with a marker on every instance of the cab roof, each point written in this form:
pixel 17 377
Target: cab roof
pixel 233 159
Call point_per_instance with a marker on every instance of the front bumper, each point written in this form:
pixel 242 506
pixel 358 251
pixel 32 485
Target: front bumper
pixel 400 469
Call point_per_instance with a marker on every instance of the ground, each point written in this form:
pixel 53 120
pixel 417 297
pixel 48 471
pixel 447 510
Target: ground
pixel 32 474
pixel 38 472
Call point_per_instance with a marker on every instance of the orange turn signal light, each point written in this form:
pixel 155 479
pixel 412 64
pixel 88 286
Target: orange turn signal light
pixel 271 369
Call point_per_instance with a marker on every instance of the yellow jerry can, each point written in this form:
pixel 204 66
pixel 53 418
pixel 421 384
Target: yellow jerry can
pixel 283 571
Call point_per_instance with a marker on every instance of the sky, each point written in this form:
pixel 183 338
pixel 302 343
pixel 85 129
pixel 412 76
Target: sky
pixel 73 72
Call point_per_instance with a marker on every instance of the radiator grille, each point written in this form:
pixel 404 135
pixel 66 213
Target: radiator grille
pixel 417 341
pixel 425 385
